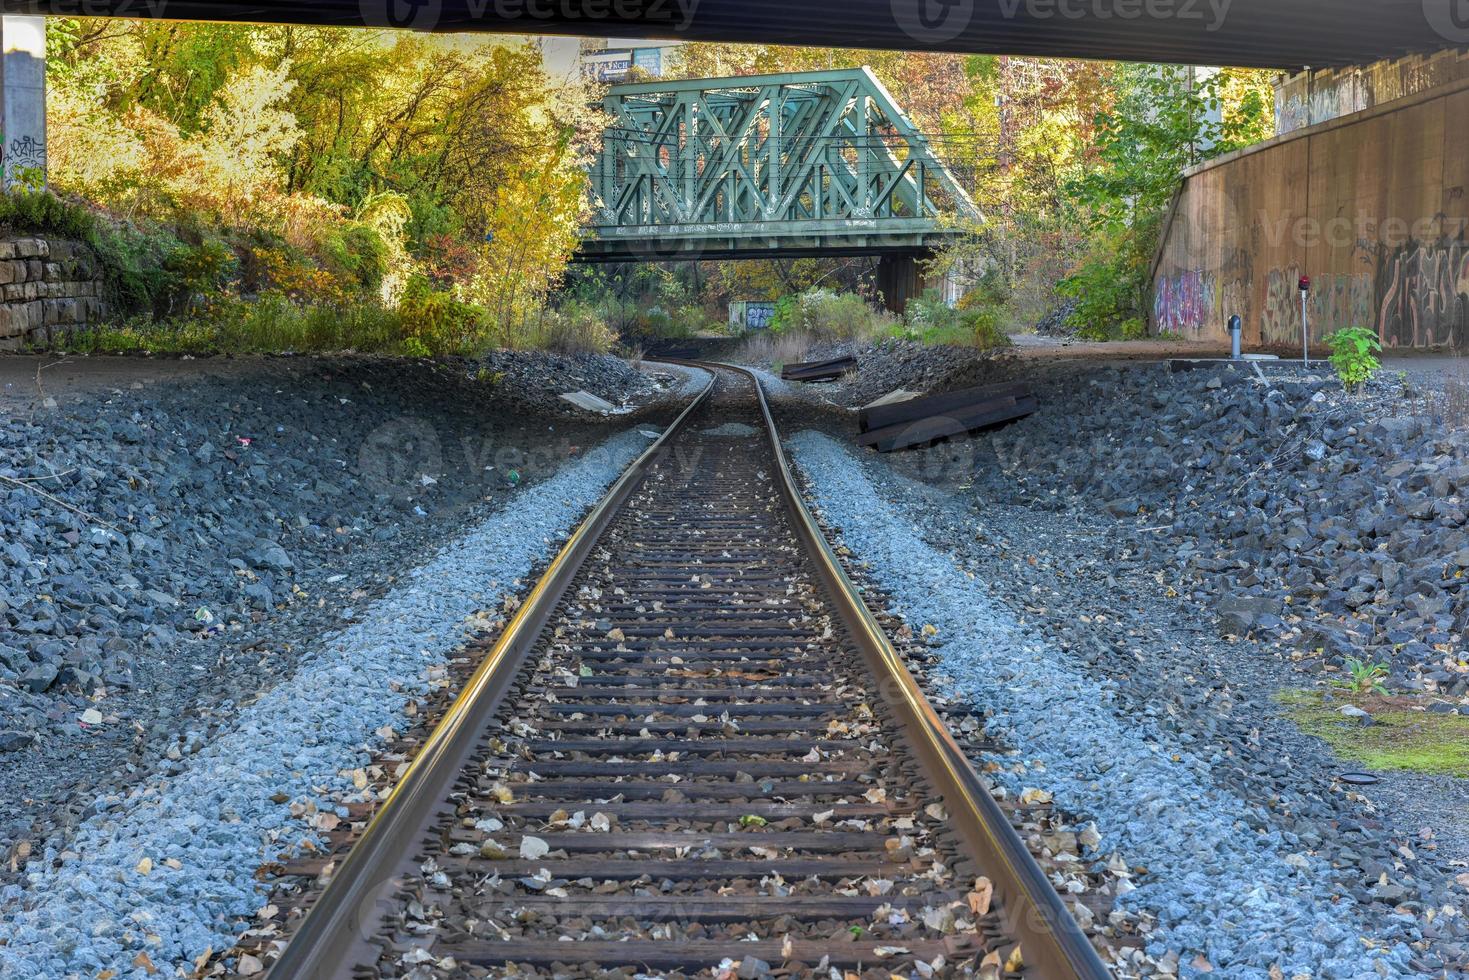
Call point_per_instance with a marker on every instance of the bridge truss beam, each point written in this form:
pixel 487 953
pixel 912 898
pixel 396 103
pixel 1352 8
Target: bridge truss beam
pixel 807 163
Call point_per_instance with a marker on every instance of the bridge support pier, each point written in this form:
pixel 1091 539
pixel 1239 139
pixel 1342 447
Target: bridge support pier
pixel 23 101
pixel 899 279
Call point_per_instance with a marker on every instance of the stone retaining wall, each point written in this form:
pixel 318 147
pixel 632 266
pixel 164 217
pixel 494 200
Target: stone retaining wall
pixel 48 288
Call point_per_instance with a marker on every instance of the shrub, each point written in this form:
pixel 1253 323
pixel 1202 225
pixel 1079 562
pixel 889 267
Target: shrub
pixel 827 316
pixel 1110 286
pixel 930 313
pixel 1354 353
pixel 357 254
pixel 985 328
pixel 574 329
pixel 44 213
pixel 437 320
pixel 133 265
pixel 202 269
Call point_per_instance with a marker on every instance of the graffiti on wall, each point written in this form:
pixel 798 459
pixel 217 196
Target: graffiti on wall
pixel 1321 100
pixel 1183 304
pixel 1425 296
pixel 1196 305
pixel 1335 301
pixel 24 163
pixel 1280 318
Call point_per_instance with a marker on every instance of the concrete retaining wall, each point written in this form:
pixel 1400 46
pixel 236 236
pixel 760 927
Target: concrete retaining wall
pixel 1371 206
pixel 48 288
pixel 1310 98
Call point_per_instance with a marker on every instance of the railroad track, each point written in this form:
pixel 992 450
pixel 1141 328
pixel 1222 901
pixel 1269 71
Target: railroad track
pixel 692 750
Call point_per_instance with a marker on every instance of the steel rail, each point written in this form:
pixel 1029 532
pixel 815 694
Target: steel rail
pixel 343 916
pixel 1051 940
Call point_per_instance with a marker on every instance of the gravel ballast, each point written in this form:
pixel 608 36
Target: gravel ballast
pixel 1233 886
pixel 158 875
pixel 174 532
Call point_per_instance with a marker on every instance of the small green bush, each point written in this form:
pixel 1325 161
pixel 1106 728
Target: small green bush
pixel 356 252
pixel 827 316
pixel 1110 286
pixel 44 213
pixel 133 267
pixel 202 269
pixel 1354 353
pixel 436 319
pixel 930 313
pixel 985 328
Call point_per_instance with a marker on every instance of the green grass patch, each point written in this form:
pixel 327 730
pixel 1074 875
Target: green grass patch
pixel 1400 737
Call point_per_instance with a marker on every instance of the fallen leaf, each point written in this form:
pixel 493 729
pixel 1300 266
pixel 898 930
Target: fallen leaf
pixel 1014 962
pixel 141 961
pixel 144 866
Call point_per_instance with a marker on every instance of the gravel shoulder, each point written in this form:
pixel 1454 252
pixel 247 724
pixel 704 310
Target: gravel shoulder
pixel 1240 839
pixel 1232 820
pixel 161 874
pixel 173 542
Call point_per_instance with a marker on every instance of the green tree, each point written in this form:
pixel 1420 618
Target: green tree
pixel 1161 121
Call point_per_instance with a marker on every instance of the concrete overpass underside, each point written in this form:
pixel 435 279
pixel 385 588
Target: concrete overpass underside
pixel 1259 33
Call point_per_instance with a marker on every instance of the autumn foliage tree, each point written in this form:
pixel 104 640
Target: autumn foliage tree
pixel 318 154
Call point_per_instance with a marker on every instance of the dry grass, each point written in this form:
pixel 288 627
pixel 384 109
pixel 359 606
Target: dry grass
pixel 775 350
pixel 1444 400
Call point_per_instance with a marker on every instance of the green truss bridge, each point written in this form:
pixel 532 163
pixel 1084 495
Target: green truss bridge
pixel 767 166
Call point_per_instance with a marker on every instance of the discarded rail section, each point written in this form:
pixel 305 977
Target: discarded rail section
pixel 913 422
pixel 691 749
pixel 828 370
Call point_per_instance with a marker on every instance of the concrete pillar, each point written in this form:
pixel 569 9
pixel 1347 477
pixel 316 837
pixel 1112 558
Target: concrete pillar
pixel 23 101
pixel 899 279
